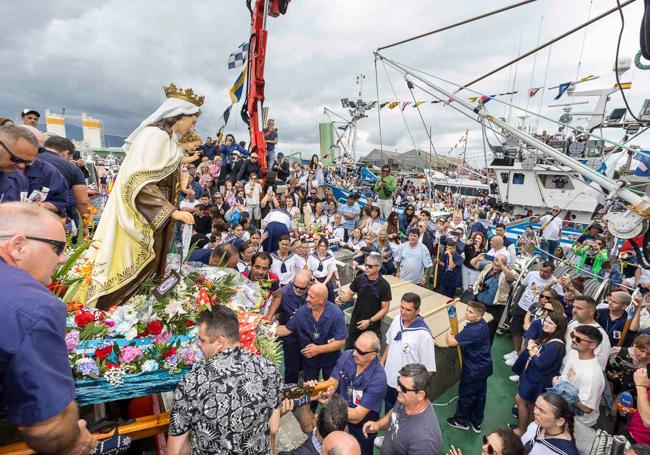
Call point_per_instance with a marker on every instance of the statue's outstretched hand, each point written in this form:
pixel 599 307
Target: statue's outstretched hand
pixel 183 217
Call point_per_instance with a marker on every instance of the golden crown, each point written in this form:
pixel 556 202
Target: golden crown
pixel 171 91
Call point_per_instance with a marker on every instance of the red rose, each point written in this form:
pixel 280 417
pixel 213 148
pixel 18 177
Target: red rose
pixel 104 352
pixel 170 353
pixel 57 288
pixel 154 328
pixel 84 318
pixel 110 365
pixel 189 323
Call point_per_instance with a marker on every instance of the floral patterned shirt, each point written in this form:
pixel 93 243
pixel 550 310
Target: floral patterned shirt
pixel 226 403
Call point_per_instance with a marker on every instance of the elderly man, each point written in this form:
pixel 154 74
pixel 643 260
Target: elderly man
pixel 361 380
pixel 18 149
pixel 231 402
pixel 294 296
pixel 413 260
pixel 339 442
pixel 498 248
pixel 320 326
pixel 32 242
pixel 373 300
pixel 412 424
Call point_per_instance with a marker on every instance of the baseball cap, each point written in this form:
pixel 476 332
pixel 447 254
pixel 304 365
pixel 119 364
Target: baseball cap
pixel 280 155
pixel 29 111
pixel 236 152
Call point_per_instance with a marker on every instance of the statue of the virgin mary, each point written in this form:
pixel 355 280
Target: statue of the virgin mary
pixel 135 231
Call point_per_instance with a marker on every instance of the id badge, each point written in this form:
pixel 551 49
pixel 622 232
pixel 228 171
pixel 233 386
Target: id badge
pixel 356 396
pixel 616 334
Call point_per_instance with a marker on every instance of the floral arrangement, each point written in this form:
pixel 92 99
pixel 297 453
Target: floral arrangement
pixel 148 334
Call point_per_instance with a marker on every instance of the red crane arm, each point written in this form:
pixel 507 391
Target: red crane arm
pixel 257 57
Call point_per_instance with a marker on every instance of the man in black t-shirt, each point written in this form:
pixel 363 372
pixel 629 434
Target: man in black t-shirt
pixel 373 300
pixel 57 151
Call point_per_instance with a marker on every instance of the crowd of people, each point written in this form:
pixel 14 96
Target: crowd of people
pixel 573 358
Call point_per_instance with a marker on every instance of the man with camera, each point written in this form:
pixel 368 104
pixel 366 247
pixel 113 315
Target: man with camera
pixel 385 188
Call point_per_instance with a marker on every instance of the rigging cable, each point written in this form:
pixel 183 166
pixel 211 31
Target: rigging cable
pixel 381 144
pixel 618 48
pixel 463 22
pixel 584 39
pixel 517 107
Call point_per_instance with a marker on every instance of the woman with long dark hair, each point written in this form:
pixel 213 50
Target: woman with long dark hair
pixel 406 218
pixel 551 433
pixel 477 244
pixel 538 365
pixel 392 227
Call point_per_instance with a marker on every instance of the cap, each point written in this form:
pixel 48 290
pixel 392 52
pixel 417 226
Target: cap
pixel 280 155
pixel 236 152
pixel 29 111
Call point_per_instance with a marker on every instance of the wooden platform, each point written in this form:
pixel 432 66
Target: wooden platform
pixel 143 427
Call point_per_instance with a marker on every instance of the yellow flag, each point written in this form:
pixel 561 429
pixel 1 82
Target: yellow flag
pixel 624 85
pixel 393 104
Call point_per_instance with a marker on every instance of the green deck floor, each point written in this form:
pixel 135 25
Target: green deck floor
pixel 500 397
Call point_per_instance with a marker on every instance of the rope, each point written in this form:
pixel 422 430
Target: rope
pixel 638 64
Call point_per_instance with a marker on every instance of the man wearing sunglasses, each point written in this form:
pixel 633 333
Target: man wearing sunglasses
pixel 32 242
pixel 412 424
pixel 585 313
pixel 361 380
pixel 294 296
pixel 583 370
pixel 18 149
pixel 373 300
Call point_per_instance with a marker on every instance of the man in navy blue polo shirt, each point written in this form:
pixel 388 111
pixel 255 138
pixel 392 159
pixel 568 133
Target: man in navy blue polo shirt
pixel 36 384
pixel 42 175
pixel 18 149
pixel 361 380
pixel 294 296
pixel 320 326
pixel 613 318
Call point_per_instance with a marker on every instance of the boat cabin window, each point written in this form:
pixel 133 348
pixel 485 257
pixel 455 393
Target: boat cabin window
pixel 556 182
pixel 518 179
pixel 504 177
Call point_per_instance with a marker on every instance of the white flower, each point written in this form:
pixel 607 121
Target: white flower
pixel 174 308
pixel 125 318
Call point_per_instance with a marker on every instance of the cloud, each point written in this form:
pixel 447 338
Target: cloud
pixel 111 59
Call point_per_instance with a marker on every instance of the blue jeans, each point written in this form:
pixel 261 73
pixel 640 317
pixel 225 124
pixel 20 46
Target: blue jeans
pixel 549 247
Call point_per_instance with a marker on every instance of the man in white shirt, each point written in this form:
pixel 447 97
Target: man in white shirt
pixel 189 203
pixel 535 283
pixel 413 260
pixel 551 232
pixel 408 340
pixel 253 191
pixel 583 371
pixel 584 314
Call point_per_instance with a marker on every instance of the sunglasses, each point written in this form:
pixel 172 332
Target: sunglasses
pixel 371 265
pixel 489 448
pixel 578 339
pixel 58 245
pixel 360 352
pixel 253 157
pixel 403 388
pixel 300 288
pixel 15 159
pixel 548 297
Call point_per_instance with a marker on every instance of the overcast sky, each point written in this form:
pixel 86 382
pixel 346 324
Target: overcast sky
pixel 111 59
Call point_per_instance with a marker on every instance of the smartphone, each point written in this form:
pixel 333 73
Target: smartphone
pixel 489 257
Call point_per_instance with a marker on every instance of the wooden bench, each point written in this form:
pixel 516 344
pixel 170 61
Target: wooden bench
pixel 143 427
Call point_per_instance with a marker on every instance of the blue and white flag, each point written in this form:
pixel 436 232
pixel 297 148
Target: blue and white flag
pixel 563 87
pixel 643 168
pixel 238 58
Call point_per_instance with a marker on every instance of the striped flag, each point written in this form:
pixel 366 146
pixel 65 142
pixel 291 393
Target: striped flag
pixel 405 105
pixel 238 86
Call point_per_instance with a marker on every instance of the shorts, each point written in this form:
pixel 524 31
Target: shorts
pixel 517 321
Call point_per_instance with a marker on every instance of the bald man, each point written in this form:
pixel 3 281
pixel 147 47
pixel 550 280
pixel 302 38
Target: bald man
pixel 497 248
pixel 321 331
pixel 340 443
pixel 18 149
pixel 294 295
pixel 32 243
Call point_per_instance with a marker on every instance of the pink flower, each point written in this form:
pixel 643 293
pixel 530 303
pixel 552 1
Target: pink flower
pixel 108 323
pixel 130 353
pixel 72 340
pixel 188 355
pixel 163 338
